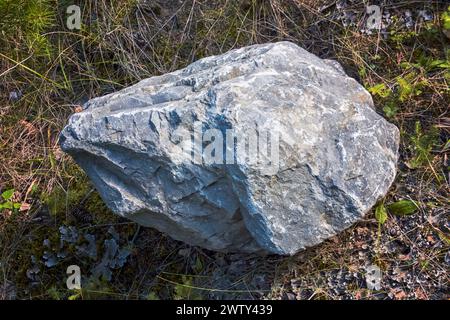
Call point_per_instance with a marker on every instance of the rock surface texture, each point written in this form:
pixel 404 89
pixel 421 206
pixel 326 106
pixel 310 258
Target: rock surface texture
pixel 336 155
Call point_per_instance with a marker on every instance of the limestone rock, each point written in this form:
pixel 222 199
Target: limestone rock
pixel 327 159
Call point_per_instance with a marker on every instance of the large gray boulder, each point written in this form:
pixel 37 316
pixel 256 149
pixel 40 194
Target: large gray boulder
pixel 267 148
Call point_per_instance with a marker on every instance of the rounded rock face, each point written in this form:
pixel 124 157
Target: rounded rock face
pixel 266 148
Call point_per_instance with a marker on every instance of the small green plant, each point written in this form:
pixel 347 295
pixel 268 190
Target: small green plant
pixel 152 296
pixel 54 293
pixel 381 214
pixel 410 86
pixel 421 145
pixel 426 63
pixel 362 72
pixel 446 19
pixel 403 208
pixel 7 203
pixel 390 109
pixel 185 290
pixel 380 90
pixel 400 37
pixel 76 295
pixel 28 19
